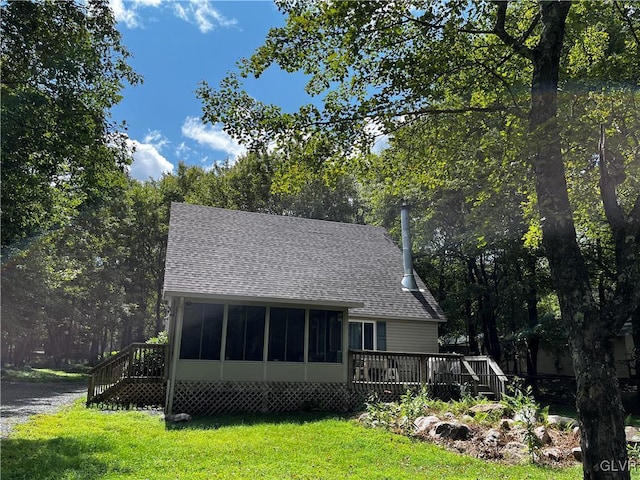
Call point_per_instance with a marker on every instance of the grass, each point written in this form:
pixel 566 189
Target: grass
pixel 28 374
pixel 81 443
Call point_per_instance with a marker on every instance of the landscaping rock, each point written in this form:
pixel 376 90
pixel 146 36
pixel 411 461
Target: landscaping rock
pixel 576 432
pixel 542 435
pixel 577 453
pixel 449 416
pixel 489 408
pixel 633 435
pixel 560 421
pixel 526 415
pixel 514 452
pixel 492 437
pixel 364 418
pixel 507 423
pixel 422 425
pixel 552 454
pixel 451 430
pixel 179 417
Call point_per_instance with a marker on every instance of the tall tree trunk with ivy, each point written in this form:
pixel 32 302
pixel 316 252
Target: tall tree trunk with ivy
pixel 591 336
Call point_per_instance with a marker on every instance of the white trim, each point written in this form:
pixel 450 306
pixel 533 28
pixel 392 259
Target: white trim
pixel 223 341
pixel 375 333
pixel 265 342
pixel 386 318
pixel 177 334
pixel 252 299
pixel 305 352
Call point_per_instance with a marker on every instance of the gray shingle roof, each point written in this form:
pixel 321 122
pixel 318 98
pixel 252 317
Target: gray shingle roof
pixel 217 252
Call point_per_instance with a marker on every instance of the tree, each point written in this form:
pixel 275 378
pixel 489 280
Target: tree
pixel 62 70
pixel 469 224
pixel 531 62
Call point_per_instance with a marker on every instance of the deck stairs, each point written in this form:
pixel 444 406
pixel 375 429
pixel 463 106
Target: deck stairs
pixel 134 377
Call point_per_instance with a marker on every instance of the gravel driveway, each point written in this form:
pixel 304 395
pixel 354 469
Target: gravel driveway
pixel 20 400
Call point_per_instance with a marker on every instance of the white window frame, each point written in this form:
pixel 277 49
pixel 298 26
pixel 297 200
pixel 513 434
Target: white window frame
pixel 375 332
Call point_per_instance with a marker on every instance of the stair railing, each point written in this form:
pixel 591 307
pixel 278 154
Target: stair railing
pixel 138 360
pixel 489 374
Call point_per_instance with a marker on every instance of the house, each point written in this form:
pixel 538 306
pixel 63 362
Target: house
pixel 265 302
pixel 271 313
pixel 560 362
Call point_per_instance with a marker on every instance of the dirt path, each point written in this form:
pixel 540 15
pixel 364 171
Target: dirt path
pixel 20 400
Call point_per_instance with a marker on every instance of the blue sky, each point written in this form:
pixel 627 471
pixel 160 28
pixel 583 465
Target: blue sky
pixel 176 45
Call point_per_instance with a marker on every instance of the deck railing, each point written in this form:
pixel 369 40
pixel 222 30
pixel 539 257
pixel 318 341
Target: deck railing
pixel 137 361
pixel 393 371
pixel 489 373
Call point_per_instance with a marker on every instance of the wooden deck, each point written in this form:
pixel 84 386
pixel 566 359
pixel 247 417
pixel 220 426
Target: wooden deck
pixel 443 373
pixel 137 377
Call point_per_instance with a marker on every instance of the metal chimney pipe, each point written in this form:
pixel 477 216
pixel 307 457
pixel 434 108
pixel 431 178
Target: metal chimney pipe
pixel 408 280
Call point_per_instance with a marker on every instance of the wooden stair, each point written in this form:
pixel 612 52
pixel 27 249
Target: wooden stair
pixel 136 376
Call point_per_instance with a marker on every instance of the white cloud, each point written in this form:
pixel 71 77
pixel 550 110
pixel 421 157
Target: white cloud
pixel 183 150
pixel 375 129
pixel 198 12
pixel 155 138
pixel 148 162
pixel 212 137
pixel 122 14
pixel 203 14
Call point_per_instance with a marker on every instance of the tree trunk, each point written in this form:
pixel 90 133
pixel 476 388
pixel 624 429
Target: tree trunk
pixel 486 312
pixel 635 324
pixel 601 417
pixel 533 339
pixel 472 331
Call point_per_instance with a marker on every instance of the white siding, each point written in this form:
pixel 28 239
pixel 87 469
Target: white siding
pixel 408 336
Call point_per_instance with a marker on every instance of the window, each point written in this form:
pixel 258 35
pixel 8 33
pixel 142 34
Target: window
pixel 361 336
pixel 245 333
pixel 368 335
pixel 286 335
pixel 201 331
pixel 325 336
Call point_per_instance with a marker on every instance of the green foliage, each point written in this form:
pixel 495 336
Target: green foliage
pixel 415 404
pixel 522 402
pixel 63 68
pixel 633 450
pixel 161 339
pixel 382 414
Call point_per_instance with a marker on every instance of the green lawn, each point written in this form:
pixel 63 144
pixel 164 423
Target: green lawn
pixel 81 443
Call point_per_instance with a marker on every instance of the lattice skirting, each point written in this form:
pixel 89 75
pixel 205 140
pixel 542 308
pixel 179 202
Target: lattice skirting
pixel 206 398
pixel 133 393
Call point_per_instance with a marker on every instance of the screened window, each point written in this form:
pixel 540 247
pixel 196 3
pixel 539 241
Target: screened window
pixel 245 333
pixel 201 331
pixel 325 336
pixel 286 335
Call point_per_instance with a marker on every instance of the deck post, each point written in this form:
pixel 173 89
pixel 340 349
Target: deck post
pixel 130 366
pixel 171 370
pixel 423 369
pixel 90 389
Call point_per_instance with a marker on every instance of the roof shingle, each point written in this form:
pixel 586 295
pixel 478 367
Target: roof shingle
pixel 217 252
